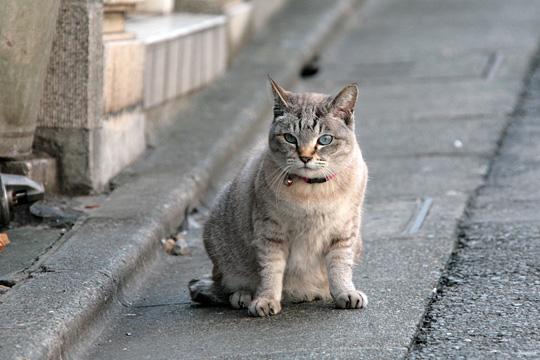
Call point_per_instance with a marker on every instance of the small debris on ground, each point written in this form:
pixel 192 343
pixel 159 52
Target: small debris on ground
pixel 92 206
pixel 176 245
pixel 181 247
pixel 55 212
pixel 458 144
pixel 4 241
pixel 168 245
pixel 4 289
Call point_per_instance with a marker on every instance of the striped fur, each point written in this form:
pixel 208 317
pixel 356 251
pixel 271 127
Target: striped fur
pixel 269 240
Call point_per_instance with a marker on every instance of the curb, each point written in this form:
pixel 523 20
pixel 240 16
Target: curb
pixel 45 315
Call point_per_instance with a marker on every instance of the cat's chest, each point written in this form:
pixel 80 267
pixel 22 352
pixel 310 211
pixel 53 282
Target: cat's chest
pixel 317 223
pixel 309 235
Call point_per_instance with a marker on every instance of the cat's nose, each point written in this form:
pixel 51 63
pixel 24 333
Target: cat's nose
pixel 306 159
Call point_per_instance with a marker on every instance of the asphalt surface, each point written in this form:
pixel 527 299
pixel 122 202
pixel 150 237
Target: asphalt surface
pixel 438 81
pixel 488 304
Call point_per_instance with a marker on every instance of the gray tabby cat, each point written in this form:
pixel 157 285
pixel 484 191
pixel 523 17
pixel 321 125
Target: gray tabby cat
pixel 289 224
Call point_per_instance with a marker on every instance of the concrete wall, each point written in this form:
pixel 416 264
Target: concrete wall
pixel 26 33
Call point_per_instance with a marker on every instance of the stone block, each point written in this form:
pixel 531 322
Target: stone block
pixel 239 24
pixel 88 77
pixel 113 22
pixel 173 65
pixel 122 74
pixel 119 142
pixel 156 6
pixel 183 52
pixel 89 158
pixel 186 48
pixel 121 5
pixel 73 149
pixel 74 81
pixel 155 73
pixel 114 18
pixel 203 6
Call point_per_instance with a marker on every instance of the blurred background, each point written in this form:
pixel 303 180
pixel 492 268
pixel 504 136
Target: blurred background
pixel 83 77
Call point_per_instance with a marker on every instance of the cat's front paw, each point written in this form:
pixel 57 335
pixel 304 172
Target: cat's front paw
pixel 240 299
pixel 351 300
pixel 262 306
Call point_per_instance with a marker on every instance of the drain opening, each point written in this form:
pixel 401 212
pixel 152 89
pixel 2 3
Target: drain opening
pixel 311 68
pixel 7 283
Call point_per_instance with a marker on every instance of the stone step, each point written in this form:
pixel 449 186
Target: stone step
pixel 183 52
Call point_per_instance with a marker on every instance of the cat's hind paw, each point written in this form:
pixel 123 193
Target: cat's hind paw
pixel 351 300
pixel 240 299
pixel 264 307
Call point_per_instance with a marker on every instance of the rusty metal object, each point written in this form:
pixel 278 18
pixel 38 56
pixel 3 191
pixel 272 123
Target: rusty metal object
pixel 4 205
pixel 17 190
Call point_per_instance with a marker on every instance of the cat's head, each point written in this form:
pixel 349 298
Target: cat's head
pixel 312 135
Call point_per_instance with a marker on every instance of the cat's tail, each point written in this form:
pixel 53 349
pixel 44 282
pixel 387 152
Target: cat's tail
pixel 206 291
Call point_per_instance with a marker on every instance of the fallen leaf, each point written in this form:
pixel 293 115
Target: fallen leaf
pixel 168 245
pixel 4 241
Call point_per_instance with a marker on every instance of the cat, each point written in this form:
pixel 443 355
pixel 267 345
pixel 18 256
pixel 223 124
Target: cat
pixel 289 224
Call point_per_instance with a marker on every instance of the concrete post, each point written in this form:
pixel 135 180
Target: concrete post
pixel 26 33
pixel 71 107
pixel 90 118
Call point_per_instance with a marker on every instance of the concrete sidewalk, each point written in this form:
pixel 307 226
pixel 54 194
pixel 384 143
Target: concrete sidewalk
pixel 438 80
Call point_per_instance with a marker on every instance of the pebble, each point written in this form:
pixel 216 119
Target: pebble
pixel 176 245
pixel 168 245
pixel 181 247
pixel 458 144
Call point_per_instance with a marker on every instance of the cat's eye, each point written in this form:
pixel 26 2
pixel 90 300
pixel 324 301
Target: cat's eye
pixel 325 139
pixel 290 138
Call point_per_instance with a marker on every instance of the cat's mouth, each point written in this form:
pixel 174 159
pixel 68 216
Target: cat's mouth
pixel 310 166
pixel 308 171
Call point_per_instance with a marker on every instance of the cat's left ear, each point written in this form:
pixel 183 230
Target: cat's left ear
pixel 344 103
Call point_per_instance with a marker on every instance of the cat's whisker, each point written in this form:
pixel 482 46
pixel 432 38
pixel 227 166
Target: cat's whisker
pixel 276 175
pixel 328 173
pixel 278 178
pixel 278 182
pixel 325 173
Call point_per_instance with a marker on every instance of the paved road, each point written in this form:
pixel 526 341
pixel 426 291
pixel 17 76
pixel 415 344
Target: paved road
pixel 488 306
pixel 438 79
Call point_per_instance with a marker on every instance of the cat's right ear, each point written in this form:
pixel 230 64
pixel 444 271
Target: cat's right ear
pixel 281 98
